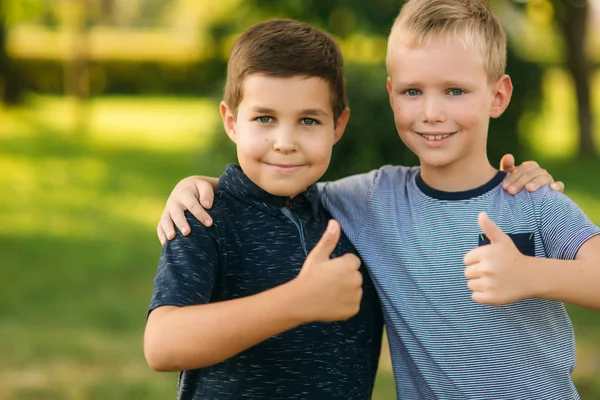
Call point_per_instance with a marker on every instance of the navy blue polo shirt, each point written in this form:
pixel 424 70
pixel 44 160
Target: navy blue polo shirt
pixel 259 241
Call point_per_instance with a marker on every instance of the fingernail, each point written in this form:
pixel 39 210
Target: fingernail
pixel 182 230
pixel 205 203
pixel 330 228
pixel 207 222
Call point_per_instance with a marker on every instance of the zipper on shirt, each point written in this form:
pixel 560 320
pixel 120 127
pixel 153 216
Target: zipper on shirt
pixel 292 217
pixel 288 213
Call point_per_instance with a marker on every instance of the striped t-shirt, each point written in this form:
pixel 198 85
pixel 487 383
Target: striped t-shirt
pixel 444 345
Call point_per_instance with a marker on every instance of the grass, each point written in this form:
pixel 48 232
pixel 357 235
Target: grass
pixel 78 244
pixel 79 249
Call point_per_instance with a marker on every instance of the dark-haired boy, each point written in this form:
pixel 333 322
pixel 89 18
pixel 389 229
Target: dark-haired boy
pixel 270 302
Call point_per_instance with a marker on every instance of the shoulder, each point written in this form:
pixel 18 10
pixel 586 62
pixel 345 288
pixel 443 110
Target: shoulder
pixel 523 197
pixel 396 172
pixel 552 210
pixel 387 173
pixel 222 203
pixel 524 208
pixel 394 177
pixel 219 213
pixel 538 196
pixel 220 210
pixel 383 176
pixel 545 198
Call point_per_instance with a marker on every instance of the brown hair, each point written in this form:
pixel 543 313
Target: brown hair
pixel 286 48
pixel 471 20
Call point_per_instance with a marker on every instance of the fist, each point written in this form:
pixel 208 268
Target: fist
pixel 331 287
pixel 497 273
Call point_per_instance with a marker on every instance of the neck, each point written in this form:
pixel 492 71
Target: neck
pixel 458 176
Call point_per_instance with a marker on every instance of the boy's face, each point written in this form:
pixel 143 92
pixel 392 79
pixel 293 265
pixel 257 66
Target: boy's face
pixel 284 131
pixel 442 102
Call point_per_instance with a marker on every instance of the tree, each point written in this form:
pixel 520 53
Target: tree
pixel 572 19
pixel 11 84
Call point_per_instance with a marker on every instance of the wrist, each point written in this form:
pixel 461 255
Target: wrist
pixel 297 303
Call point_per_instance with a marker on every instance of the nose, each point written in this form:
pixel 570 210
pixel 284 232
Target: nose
pixel 285 141
pixel 432 110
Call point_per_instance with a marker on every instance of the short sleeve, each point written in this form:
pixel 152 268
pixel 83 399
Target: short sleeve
pixel 564 226
pixel 347 201
pixel 187 268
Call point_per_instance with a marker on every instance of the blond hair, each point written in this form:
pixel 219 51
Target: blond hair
pixel 471 20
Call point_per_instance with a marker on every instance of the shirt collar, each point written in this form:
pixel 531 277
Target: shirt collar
pixel 464 195
pixel 235 182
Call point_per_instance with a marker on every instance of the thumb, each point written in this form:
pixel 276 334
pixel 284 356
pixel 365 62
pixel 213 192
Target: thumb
pixel 507 163
pixel 327 243
pixel 491 230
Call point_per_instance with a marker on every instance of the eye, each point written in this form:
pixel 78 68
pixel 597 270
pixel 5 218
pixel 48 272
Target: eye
pixel 456 92
pixel 412 92
pixel 309 121
pixel 264 119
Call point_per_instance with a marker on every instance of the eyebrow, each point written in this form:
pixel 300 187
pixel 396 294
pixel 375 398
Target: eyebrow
pixel 307 111
pixel 314 111
pixel 419 84
pixel 263 110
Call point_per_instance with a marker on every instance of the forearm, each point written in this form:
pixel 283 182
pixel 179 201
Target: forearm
pixel 572 282
pixel 198 336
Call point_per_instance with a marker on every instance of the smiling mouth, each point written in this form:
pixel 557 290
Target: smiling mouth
pixel 284 165
pixel 285 168
pixel 436 136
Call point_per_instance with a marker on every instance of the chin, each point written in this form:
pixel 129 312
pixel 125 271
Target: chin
pixel 436 162
pixel 283 191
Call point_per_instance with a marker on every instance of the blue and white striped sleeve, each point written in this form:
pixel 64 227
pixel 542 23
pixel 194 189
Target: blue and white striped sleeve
pixel 564 226
pixel 347 200
pixel 187 268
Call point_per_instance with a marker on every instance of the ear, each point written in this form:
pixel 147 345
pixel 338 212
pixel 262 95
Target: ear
pixel 228 120
pixel 502 93
pixel 340 125
pixel 389 90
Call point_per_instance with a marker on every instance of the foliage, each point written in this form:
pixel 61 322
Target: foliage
pixel 371 117
pixel 126 77
pixel 11 81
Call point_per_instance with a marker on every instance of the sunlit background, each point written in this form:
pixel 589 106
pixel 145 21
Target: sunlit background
pixel 106 104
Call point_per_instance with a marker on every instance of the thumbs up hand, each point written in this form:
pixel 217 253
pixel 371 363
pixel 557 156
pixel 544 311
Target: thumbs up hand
pixel 331 288
pixel 497 273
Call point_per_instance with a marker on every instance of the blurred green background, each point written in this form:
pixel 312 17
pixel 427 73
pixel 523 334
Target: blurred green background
pixel 106 104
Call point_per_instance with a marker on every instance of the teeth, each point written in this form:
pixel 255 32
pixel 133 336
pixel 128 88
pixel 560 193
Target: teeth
pixel 436 137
